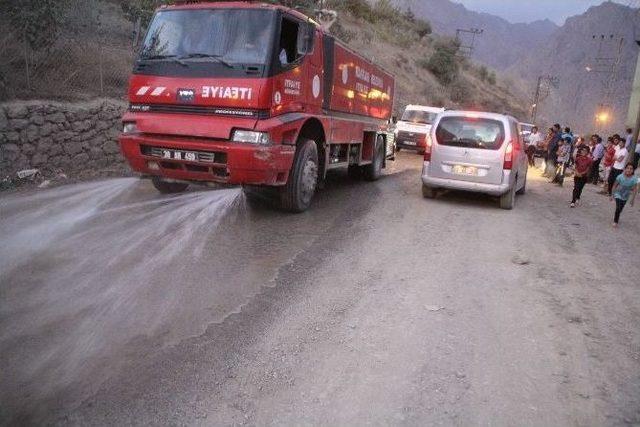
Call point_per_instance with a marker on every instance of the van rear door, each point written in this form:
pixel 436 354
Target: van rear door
pixel 469 149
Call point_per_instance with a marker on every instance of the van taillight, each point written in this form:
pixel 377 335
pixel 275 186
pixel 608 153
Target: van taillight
pixel 508 157
pixel 427 149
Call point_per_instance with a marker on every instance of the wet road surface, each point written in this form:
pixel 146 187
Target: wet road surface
pixel 120 306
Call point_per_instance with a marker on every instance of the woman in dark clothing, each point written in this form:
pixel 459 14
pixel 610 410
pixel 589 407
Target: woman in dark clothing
pixel 583 163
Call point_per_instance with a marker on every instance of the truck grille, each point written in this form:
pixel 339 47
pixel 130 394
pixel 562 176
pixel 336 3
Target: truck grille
pixel 198 109
pixel 201 156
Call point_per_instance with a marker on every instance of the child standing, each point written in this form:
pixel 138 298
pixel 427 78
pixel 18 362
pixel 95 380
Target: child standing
pixel 625 189
pixel 563 154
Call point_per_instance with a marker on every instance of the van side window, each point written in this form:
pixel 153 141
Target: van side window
pixel 289 36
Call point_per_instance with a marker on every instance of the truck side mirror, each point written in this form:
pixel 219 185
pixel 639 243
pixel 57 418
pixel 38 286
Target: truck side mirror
pixel 304 44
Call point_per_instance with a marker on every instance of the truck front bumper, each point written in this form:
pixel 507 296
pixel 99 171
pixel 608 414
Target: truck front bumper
pixel 216 161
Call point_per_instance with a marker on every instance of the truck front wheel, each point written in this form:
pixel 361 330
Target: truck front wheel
pixel 166 187
pixel 297 194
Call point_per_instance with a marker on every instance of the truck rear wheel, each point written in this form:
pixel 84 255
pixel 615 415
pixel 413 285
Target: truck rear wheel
pixel 297 194
pixel 373 172
pixel 166 187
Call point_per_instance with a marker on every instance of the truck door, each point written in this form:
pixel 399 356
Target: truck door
pixel 292 85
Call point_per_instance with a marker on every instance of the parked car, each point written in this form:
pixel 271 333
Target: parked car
pixel 478 152
pixel 414 126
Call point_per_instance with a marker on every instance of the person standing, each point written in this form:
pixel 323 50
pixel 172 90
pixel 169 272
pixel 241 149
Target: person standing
pixel 552 151
pixel 619 160
pixel 636 156
pixel 629 138
pixel 562 158
pixel 597 153
pixel 535 139
pixel 583 164
pixel 607 161
pixel 625 190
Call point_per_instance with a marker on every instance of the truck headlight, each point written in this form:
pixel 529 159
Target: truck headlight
pixel 251 137
pixel 130 127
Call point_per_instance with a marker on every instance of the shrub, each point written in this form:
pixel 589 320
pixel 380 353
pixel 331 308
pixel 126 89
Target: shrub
pixel 423 28
pixel 483 73
pixel 342 33
pixel 491 78
pixel 36 22
pixel 443 62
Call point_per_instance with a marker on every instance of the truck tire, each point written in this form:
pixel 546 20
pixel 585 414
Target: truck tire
pixel 297 193
pixel 373 171
pixel 166 187
pixel 428 192
pixel 508 199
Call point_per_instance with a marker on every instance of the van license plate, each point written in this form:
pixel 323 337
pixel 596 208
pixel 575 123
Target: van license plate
pixel 465 170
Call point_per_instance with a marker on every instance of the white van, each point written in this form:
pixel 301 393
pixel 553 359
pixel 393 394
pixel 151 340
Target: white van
pixel 413 128
pixel 474 151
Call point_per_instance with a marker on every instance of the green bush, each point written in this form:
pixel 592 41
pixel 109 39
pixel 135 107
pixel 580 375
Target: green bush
pixel 36 22
pixel 443 62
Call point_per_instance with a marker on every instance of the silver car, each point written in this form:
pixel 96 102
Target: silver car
pixel 474 151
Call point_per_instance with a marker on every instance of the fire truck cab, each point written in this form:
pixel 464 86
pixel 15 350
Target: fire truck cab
pixel 252 94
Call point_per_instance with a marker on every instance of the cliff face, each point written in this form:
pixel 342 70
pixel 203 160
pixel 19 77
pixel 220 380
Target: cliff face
pixel 585 82
pixel 501 44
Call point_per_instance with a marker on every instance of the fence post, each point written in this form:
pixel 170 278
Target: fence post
pixel 101 71
pixel 26 59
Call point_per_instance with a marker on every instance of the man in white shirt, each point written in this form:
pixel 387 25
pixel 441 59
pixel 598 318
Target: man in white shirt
pixel 619 161
pixel 534 140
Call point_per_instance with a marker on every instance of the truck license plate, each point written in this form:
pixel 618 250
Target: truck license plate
pixel 409 143
pixel 179 155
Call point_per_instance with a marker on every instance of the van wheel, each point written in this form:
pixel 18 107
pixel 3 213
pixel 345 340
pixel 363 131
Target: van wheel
pixel 166 187
pixel 373 171
pixel 297 193
pixel 523 190
pixel 508 200
pixel 428 192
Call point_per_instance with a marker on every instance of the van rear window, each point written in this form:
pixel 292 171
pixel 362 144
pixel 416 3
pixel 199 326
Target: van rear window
pixel 470 132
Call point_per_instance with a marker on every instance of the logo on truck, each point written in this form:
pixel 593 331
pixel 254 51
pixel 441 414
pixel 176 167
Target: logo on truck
pixel 227 92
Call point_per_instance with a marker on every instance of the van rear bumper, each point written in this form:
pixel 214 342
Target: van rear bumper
pixel 235 163
pixel 476 187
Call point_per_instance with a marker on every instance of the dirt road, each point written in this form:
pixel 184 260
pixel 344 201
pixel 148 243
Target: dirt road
pixel 375 307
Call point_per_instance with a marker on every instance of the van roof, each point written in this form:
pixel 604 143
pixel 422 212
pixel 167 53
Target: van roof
pixel 424 108
pixel 478 114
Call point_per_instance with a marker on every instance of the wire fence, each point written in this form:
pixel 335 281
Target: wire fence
pixel 91 56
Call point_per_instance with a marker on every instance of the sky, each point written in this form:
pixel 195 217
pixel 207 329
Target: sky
pixel 532 10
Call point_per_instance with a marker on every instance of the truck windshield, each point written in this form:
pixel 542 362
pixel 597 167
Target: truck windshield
pixel 417 116
pixel 470 132
pixel 221 36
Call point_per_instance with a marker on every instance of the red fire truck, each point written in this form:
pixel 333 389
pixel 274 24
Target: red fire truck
pixel 253 94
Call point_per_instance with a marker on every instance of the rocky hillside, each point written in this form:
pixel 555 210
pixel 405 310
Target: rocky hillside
pixel 501 45
pixel 570 51
pixel 472 86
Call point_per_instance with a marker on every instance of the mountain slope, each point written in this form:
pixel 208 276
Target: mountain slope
pixel 568 53
pixel 501 44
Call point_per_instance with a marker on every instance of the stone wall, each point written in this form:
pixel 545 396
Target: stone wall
pixel 69 138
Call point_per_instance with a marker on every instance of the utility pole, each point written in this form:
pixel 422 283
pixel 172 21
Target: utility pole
pixel 467 49
pixel 547 81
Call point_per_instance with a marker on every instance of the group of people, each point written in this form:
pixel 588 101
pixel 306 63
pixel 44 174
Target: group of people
pixel 615 158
